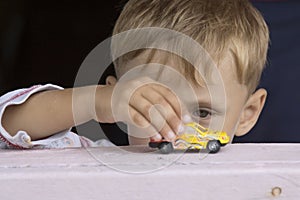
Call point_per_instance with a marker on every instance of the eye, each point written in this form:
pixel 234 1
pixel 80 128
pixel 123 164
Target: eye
pixel 202 113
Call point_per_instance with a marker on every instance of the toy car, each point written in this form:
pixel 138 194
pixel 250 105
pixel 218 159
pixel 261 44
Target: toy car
pixel 195 137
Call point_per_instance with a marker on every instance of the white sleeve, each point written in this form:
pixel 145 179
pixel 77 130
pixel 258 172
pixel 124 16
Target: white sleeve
pixel 22 140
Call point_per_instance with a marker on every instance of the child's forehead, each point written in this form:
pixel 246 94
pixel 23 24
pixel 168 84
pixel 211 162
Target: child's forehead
pixel 205 73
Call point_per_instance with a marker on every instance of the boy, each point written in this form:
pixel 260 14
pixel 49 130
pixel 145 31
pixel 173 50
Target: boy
pixel 232 32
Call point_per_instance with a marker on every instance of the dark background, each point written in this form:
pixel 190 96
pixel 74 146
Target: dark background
pixel 46 41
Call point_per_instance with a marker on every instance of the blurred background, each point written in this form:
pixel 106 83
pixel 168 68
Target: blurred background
pixel 46 42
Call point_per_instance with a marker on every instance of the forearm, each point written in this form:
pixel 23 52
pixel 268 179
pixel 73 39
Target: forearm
pixel 49 112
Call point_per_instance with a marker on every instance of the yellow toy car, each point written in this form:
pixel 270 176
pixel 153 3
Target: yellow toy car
pixel 195 137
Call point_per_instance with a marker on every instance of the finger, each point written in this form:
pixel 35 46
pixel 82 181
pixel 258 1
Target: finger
pixel 165 109
pixel 167 133
pixel 171 98
pixel 148 111
pixel 178 106
pixel 159 122
pixel 136 118
pixel 156 137
pixel 141 126
pixel 153 115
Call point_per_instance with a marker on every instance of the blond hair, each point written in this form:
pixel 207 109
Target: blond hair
pixel 221 27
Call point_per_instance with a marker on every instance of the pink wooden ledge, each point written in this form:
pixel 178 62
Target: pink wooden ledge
pixel 238 171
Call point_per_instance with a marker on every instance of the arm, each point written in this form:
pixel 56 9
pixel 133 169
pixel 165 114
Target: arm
pixel 133 102
pixel 48 112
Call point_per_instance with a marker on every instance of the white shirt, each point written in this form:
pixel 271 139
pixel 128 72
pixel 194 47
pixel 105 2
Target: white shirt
pixel 22 140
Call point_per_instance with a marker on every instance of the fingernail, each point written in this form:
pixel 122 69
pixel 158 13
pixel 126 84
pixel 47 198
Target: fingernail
pixel 171 135
pixel 157 137
pixel 180 128
pixel 186 119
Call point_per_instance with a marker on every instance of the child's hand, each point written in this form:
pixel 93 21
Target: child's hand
pixel 143 103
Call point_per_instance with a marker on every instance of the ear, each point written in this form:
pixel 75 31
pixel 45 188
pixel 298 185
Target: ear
pixel 251 112
pixel 111 80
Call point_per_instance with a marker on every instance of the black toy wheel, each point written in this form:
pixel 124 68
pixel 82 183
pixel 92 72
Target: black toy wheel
pixel 166 147
pixel 213 146
pixel 154 144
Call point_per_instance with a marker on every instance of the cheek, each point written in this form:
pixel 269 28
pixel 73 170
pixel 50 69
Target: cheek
pixel 232 118
pixel 236 98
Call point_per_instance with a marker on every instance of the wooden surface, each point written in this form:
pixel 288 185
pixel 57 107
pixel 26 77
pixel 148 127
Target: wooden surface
pixel 238 171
